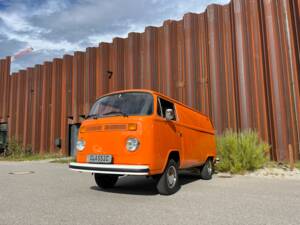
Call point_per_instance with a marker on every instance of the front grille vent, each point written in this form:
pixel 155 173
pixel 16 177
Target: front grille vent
pixel 105 127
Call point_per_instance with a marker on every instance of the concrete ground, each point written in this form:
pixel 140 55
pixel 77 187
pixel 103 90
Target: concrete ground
pixel 53 194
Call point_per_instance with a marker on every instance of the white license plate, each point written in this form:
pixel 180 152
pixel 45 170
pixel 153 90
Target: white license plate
pixel 100 159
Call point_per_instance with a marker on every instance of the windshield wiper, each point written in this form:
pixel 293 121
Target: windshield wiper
pixel 115 112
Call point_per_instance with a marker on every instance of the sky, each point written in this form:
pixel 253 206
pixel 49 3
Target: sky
pixel 57 27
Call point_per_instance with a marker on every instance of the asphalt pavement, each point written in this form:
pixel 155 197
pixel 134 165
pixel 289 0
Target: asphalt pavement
pixel 49 193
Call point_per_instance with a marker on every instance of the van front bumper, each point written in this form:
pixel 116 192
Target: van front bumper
pixel 110 168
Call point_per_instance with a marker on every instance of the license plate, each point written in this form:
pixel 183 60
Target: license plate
pixel 100 159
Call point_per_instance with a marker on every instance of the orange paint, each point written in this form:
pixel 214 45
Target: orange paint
pixel 191 135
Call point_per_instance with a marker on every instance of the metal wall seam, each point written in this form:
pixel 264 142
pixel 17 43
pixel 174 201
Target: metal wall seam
pixel 117 64
pixel 56 93
pixel 46 107
pixel 77 86
pixel 292 79
pixel 89 79
pixel 66 101
pixel 36 109
pixel 12 106
pixel 2 75
pixel 28 108
pixel 102 68
pixel 21 86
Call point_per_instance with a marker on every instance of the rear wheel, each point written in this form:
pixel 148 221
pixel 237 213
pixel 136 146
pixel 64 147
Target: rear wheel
pixel 207 170
pixel 168 182
pixel 105 180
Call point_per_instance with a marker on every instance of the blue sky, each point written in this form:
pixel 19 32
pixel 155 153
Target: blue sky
pixel 56 27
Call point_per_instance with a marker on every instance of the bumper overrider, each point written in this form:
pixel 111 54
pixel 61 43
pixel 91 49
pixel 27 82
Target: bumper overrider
pixel 110 168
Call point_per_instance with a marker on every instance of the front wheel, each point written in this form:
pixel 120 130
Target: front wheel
pixel 106 180
pixel 207 170
pixel 168 182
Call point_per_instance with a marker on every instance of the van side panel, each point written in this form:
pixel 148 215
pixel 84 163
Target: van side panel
pixel 166 140
pixel 198 139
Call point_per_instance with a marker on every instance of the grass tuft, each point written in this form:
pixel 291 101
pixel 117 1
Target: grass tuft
pixel 16 152
pixel 297 165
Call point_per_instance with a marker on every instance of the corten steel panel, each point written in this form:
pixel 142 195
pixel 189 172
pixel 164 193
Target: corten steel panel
pixel 190 24
pixel 160 58
pixel 2 63
pixel 281 65
pixel 77 86
pixel 37 108
pixel 168 76
pixel 150 62
pixel 102 66
pixel 89 79
pixel 132 62
pixel 28 108
pixel 12 106
pixel 292 68
pixel 4 88
pixel 203 66
pixel 56 93
pixel 46 107
pixel 230 110
pixel 296 21
pixel 20 110
pixel 7 88
pixel 180 62
pixel 66 100
pixel 117 64
pixel 222 78
pixel 249 57
pixel 237 63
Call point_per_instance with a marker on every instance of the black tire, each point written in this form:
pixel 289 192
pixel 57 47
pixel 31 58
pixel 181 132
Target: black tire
pixel 165 186
pixel 106 180
pixel 207 170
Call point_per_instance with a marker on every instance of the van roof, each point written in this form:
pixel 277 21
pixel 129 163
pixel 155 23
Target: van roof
pixel 155 93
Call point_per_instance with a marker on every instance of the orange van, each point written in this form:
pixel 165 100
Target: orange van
pixel 142 132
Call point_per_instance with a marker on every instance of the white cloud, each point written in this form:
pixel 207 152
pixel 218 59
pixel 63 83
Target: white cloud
pixel 55 27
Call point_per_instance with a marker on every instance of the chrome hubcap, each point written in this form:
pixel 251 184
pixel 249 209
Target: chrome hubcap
pixel 172 176
pixel 209 167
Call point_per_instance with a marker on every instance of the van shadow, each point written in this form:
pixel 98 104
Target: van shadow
pixel 136 185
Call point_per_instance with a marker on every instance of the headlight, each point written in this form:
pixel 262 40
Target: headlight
pixel 80 145
pixel 132 144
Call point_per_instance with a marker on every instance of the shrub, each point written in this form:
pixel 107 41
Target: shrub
pixel 297 165
pixel 240 152
pixel 16 150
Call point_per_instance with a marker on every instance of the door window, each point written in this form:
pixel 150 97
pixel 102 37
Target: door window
pixel 163 105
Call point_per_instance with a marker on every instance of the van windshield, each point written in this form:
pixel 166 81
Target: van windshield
pixel 124 104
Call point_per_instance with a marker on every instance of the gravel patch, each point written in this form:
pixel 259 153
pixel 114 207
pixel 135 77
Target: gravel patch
pixel 282 172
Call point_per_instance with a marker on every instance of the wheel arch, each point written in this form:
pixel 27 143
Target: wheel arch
pixel 173 154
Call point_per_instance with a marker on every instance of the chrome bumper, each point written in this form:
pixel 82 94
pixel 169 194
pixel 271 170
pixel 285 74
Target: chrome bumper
pixel 110 168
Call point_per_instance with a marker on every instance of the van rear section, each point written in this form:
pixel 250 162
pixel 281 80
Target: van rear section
pixel 198 136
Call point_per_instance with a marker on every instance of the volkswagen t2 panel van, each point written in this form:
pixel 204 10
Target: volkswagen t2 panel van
pixel 141 132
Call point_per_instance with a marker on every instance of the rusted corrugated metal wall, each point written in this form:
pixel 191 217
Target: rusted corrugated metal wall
pixel 237 63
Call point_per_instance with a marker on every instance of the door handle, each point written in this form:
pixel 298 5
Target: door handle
pixel 179 134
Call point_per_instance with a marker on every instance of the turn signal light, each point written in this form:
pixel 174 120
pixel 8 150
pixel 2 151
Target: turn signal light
pixel 82 129
pixel 132 127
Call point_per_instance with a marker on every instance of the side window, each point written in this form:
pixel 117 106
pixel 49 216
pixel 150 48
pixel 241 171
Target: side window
pixel 159 110
pixel 163 105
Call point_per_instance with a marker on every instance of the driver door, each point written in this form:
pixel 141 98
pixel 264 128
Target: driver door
pixel 167 133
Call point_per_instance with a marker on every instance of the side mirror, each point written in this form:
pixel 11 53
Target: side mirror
pixel 170 114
